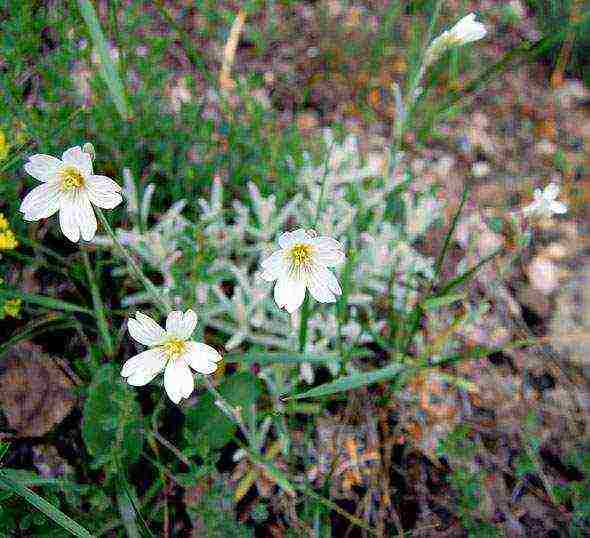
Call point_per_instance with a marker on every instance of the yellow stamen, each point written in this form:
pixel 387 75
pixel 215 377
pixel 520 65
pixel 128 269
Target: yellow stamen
pixel 301 256
pixel 71 178
pixel 174 348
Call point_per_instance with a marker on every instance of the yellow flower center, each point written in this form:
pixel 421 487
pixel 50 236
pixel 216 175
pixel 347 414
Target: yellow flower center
pixel 71 178
pixel 174 348
pixel 301 255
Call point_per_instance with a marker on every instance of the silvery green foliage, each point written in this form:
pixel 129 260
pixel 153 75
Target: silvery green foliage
pixel 236 301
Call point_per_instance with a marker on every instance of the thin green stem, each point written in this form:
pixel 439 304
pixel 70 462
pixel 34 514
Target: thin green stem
pixel 232 413
pixel 441 257
pixel 162 302
pixel 305 309
pixel 99 311
pixel 406 105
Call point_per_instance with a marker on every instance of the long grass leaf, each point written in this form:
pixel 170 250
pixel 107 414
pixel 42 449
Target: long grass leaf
pixel 35 328
pixel 99 310
pixel 42 505
pixel 350 382
pixel 464 277
pixel 3 450
pixel 441 257
pixel 45 302
pixel 108 69
pixel 280 357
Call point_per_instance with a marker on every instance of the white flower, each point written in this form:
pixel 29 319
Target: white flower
pixel 545 202
pixel 465 31
pixel 302 263
pixel 170 351
pixel 70 187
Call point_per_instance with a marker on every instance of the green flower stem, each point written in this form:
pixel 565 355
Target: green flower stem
pixel 305 309
pixel 161 301
pixel 232 412
pixel 99 311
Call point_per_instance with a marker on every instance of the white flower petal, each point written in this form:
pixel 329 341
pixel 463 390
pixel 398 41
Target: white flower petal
pixel 42 167
pixel 181 325
pixel 145 330
pixel 331 281
pixel 318 288
pixel 103 191
pixel 551 192
pixel 78 158
pixel 328 251
pixel 178 380
pixel 76 217
pixel 468 30
pixel 86 218
pixel 142 368
pixel 42 202
pixel 68 218
pixel 558 207
pixel 289 293
pixel 289 239
pixel 276 259
pixel 275 266
pixel 201 357
pixel 325 242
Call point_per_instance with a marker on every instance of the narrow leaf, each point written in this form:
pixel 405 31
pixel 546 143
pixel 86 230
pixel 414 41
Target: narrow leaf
pixel 350 382
pixel 436 302
pixel 277 476
pixel 463 277
pixel 42 505
pixel 280 357
pixel 45 302
pixel 3 450
pixel 108 69
pixel 37 327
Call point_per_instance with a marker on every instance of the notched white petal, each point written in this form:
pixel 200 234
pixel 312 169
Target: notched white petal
pixel 42 167
pixel 145 330
pixel 42 202
pixel 141 369
pixel 180 324
pixel 78 158
pixel 201 357
pixel 319 289
pixel 289 293
pixel 178 380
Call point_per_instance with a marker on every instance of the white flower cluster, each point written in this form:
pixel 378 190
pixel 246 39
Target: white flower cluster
pixel 381 259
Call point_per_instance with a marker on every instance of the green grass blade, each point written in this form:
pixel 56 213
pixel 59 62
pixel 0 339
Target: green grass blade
pixel 45 302
pixel 350 382
pixel 108 69
pixel 99 310
pixel 134 523
pixel 43 506
pixel 281 480
pixel 464 277
pixel 37 327
pixel 436 302
pixel 441 257
pixel 280 357
pixel 3 450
